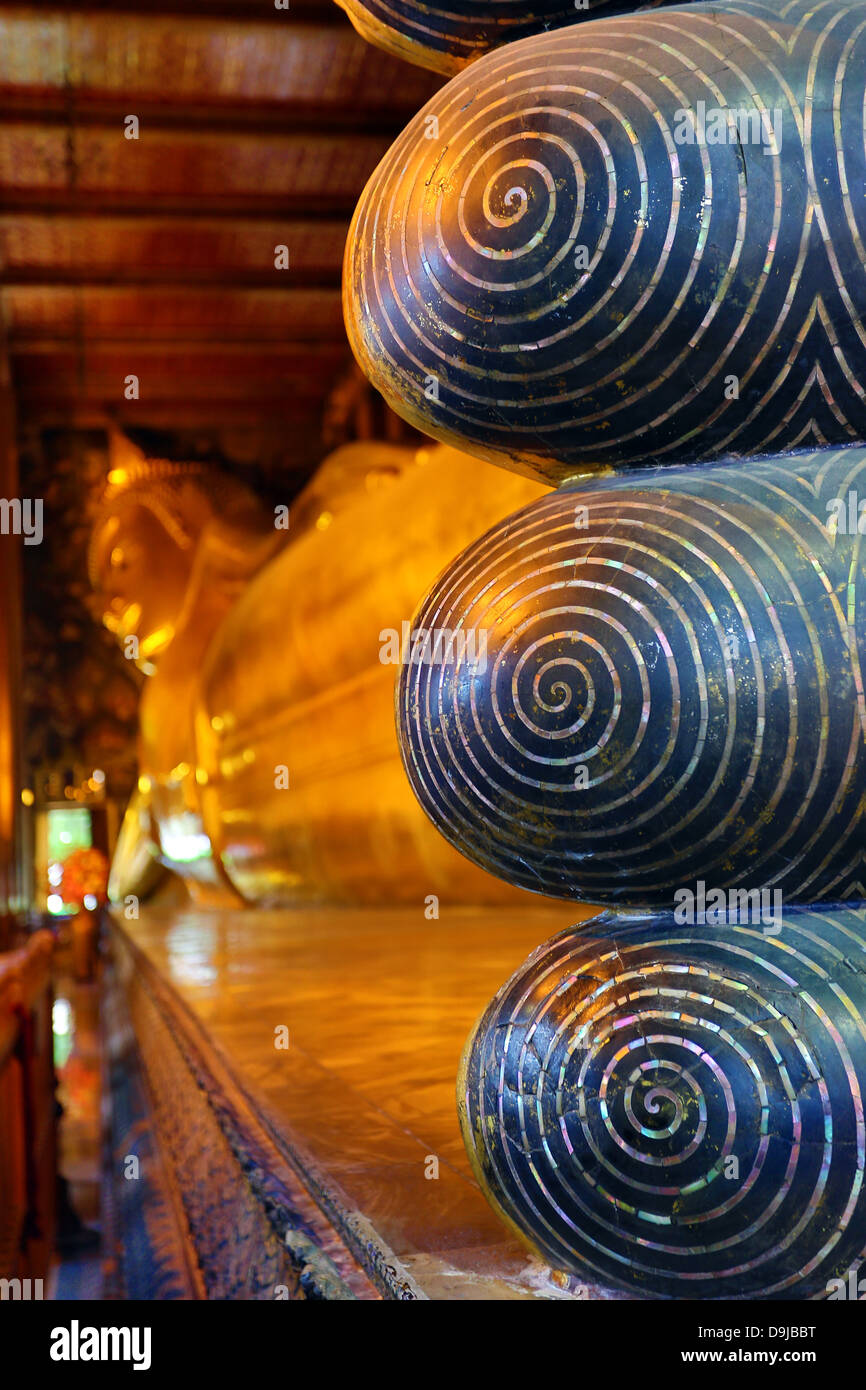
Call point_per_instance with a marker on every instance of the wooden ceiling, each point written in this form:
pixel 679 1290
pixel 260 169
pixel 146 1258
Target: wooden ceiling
pixel 154 257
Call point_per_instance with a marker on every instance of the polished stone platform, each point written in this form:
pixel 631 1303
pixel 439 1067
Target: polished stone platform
pixel 338 1129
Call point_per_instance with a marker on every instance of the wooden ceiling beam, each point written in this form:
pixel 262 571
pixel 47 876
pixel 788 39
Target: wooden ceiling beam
pixel 300 355
pixel 226 278
pixel 268 311
pixel 104 65
pixel 153 245
pixel 289 399
pixel 186 170
pixel 259 118
pixel 264 12
pixel 155 257
pixel 76 202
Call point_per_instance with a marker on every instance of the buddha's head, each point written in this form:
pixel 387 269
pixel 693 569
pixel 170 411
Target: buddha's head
pixel 150 523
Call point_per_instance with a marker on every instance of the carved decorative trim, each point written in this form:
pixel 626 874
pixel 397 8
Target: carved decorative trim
pixel 260 1217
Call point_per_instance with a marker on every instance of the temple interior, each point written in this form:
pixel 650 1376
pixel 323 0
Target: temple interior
pixel 432 715
pixel 154 330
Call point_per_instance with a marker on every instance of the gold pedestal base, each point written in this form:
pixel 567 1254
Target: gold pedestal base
pixel 335 1037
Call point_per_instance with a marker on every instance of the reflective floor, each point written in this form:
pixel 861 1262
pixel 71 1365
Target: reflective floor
pixel 377 1005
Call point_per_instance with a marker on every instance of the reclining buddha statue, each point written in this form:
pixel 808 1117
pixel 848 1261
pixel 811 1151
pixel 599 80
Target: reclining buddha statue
pixel 269 768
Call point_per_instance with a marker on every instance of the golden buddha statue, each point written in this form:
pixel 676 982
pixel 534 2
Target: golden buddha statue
pixel 172 548
pixel 270 768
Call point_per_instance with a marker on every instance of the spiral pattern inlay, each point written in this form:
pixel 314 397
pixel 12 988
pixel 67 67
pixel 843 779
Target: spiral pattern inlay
pixel 447 36
pixel 649 683
pixel 678 1111
pixel 560 267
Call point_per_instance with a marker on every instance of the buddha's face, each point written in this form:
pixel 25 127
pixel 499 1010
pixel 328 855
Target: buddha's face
pixel 143 577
